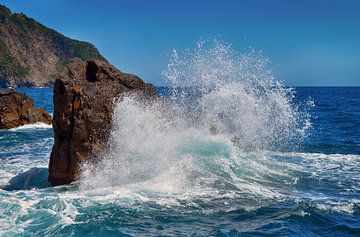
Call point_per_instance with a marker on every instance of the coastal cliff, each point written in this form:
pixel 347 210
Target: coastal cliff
pixel 84 97
pixel 32 55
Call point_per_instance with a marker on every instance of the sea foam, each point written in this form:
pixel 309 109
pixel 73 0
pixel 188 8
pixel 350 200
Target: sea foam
pixel 32 126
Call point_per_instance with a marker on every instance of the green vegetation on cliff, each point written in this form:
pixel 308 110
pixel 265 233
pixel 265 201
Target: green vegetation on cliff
pixel 32 54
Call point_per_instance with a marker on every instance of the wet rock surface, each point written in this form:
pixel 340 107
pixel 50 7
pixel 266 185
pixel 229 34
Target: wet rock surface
pixel 84 96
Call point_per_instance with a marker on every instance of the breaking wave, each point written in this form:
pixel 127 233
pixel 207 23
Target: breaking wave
pixel 224 111
pixel 220 149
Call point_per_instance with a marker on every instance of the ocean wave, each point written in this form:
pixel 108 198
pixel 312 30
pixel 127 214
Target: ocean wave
pixel 228 142
pixel 32 126
pixel 174 163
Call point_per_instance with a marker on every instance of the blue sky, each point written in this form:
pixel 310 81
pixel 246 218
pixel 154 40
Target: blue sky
pixel 308 42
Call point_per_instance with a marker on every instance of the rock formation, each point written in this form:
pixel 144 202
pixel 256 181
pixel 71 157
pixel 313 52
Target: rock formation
pixel 16 109
pixel 32 55
pixel 84 96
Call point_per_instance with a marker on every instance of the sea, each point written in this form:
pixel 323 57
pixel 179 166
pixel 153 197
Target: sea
pixel 313 190
pixel 224 157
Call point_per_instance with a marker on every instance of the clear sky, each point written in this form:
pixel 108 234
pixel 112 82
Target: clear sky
pixel 309 42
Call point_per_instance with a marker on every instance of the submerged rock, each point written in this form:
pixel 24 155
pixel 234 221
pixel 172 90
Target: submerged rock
pixel 17 109
pixel 84 96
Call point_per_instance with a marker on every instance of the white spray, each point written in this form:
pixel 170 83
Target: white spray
pixel 223 104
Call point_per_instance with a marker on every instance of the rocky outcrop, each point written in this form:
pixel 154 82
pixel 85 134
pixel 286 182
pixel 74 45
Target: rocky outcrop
pixel 16 109
pixel 32 55
pixel 84 96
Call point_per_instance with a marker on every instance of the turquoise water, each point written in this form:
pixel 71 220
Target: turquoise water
pixel 212 188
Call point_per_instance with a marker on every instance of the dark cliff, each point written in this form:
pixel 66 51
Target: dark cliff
pixel 32 55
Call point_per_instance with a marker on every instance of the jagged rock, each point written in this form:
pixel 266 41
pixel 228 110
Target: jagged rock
pixel 17 109
pixel 84 96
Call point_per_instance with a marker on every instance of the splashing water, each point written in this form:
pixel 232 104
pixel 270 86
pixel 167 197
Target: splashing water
pixel 222 105
pixel 212 158
pixel 239 95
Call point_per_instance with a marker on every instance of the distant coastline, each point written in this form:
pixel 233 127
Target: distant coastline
pixel 32 55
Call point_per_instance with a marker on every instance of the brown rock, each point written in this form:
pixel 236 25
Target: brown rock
pixel 17 109
pixel 83 102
